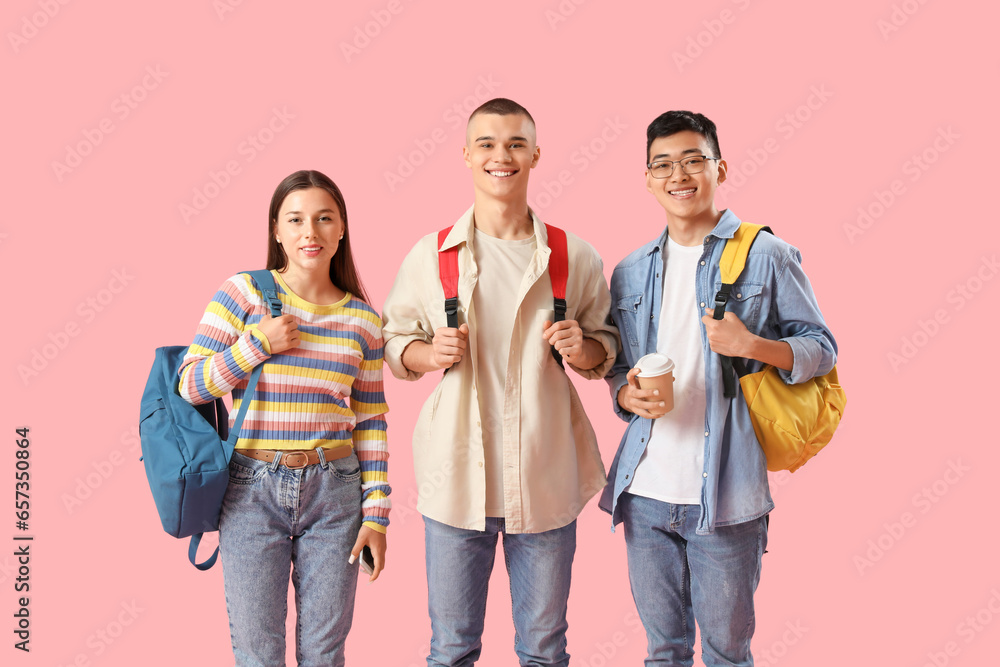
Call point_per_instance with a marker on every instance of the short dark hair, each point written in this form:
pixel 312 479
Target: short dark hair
pixel 501 106
pixel 672 122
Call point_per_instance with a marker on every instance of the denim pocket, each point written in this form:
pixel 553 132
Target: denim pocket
pixel 245 470
pixel 347 469
pixel 628 311
pixel 745 302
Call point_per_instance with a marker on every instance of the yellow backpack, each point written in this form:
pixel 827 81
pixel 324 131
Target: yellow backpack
pixel 792 421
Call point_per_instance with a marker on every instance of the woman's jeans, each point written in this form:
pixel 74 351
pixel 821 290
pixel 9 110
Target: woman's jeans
pixel 679 577
pixel 275 519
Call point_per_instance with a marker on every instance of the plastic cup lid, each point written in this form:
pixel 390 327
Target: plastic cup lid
pixel 654 364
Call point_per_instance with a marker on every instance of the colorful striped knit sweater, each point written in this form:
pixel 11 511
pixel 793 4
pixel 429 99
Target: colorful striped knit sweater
pixel 302 396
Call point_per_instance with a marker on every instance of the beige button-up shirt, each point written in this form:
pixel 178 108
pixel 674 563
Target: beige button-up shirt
pixel 552 465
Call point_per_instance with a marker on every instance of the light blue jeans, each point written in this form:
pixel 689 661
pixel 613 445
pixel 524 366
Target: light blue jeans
pixel 459 564
pixel 275 519
pixel 679 577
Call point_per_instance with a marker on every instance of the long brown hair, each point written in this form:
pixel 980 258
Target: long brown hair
pixel 343 272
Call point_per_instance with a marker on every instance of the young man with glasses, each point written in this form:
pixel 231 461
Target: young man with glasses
pixel 690 485
pixel 503 446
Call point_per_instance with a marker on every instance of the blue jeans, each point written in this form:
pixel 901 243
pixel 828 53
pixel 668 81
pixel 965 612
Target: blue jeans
pixel 459 564
pixel 679 577
pixel 275 519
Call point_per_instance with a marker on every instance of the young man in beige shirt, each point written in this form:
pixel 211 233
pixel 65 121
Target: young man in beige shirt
pixel 502 446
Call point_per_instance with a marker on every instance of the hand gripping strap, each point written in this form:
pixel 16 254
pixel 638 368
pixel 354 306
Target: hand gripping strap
pixel 731 265
pixel 448 271
pixel 264 281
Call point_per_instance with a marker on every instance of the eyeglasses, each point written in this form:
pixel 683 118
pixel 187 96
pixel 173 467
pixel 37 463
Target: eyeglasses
pixel 694 164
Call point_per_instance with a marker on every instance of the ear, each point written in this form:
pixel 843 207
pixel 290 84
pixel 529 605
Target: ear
pixel 537 154
pixel 723 169
pixel 467 156
pixel 649 182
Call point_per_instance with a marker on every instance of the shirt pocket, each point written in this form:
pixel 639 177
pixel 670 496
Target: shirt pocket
pixel 745 302
pixel 628 317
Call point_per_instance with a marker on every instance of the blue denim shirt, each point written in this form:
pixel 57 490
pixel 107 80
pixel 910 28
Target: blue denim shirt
pixel 774 299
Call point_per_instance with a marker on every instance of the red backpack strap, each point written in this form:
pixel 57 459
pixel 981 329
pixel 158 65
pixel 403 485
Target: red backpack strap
pixel 448 270
pixel 558 273
pixel 558 270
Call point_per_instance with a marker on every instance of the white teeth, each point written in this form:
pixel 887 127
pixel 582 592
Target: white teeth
pixel 311 248
pixel 501 173
pixel 682 192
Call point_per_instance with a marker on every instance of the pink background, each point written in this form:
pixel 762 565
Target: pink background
pixel 822 109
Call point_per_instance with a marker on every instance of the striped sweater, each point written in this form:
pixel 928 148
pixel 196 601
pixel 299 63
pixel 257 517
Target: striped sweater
pixel 326 392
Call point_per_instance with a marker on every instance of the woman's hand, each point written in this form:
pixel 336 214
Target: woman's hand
pixel 282 332
pixel 376 542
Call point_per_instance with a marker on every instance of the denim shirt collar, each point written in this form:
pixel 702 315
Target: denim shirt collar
pixel 725 228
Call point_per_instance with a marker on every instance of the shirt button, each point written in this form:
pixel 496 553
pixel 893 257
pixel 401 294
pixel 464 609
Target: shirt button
pixel 739 296
pixel 479 424
pixel 480 464
pixel 706 434
pixel 650 316
pixel 703 262
pixel 702 304
pixel 704 474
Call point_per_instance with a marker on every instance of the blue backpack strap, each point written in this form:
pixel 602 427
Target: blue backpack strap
pixel 264 281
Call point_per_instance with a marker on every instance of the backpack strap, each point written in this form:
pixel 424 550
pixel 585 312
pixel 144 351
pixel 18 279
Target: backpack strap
pixel 265 282
pixel 448 271
pixel 558 274
pixel 734 259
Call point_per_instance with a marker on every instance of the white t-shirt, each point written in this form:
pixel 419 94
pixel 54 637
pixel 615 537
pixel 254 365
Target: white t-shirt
pixel 671 467
pixel 501 267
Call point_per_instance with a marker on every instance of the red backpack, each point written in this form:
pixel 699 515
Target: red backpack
pixel 558 273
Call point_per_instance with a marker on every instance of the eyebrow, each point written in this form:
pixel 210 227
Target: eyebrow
pixel 518 138
pixel 325 210
pixel 684 152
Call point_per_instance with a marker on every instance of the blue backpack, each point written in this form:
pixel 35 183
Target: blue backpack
pixel 186 448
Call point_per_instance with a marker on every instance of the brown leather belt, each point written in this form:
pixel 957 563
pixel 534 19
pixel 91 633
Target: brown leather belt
pixel 297 459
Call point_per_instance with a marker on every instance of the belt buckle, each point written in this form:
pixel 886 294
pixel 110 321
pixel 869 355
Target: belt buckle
pixel 298 460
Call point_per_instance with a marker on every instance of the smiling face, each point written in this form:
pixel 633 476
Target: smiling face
pixel 500 151
pixel 309 228
pixel 687 198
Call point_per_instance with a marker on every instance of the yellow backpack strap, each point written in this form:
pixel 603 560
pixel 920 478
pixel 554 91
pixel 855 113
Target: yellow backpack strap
pixel 734 255
pixel 734 259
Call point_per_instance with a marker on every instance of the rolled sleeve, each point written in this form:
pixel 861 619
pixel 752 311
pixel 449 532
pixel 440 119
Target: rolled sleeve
pixel 801 323
pixel 592 309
